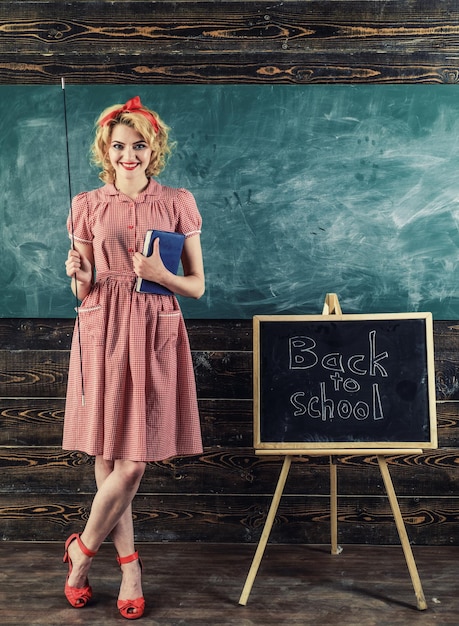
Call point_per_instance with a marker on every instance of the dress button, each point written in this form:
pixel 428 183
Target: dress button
pixel 130 227
pixel 131 250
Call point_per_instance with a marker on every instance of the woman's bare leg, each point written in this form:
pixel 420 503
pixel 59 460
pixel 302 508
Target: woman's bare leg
pixel 123 538
pixel 111 512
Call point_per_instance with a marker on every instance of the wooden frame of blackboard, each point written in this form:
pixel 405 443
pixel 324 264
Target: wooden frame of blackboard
pixel 405 325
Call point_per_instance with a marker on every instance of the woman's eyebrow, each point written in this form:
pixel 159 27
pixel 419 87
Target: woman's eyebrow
pixel 122 142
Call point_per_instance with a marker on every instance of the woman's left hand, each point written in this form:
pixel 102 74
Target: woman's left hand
pixel 190 285
pixel 151 267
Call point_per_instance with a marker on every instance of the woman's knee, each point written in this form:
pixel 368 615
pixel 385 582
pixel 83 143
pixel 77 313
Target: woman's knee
pixel 130 471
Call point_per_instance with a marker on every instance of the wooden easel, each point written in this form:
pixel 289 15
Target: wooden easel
pixel 332 307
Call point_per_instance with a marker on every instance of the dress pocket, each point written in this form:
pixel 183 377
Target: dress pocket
pixel 92 324
pixel 167 330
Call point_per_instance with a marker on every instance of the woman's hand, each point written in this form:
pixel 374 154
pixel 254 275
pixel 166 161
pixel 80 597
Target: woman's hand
pixel 79 266
pixel 190 285
pixel 151 267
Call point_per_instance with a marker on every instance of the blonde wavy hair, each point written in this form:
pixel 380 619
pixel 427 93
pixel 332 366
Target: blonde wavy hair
pixel 158 142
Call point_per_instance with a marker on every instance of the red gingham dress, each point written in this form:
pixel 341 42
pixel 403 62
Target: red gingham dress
pixel 140 391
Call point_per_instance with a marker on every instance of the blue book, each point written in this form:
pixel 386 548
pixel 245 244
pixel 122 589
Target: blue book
pixel 170 249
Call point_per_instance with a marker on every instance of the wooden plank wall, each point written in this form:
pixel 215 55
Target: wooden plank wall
pixel 222 495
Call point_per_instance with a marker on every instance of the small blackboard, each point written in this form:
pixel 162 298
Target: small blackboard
pixel 344 381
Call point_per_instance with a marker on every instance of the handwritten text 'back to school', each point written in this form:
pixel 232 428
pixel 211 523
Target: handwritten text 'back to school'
pixel 341 376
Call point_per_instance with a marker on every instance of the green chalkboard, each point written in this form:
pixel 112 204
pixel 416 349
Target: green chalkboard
pixel 304 190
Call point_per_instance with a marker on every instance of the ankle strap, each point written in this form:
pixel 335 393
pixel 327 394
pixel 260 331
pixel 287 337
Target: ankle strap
pixel 84 549
pixel 127 559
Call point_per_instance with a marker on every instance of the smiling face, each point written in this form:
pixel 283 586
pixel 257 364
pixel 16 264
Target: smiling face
pixel 129 154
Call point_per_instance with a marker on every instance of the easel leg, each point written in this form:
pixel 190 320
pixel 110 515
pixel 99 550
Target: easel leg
pixel 421 602
pixel 333 507
pixel 266 531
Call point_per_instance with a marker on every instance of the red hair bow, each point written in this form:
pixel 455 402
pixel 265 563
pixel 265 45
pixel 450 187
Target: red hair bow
pixel 132 106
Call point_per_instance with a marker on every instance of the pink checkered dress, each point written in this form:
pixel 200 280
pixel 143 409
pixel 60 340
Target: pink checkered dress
pixel 140 392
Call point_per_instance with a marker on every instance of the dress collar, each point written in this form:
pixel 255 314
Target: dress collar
pixel 152 189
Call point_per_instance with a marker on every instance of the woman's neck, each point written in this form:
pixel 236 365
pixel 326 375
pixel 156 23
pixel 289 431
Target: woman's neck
pixel 132 188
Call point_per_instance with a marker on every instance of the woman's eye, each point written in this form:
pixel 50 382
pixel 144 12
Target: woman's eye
pixel 120 146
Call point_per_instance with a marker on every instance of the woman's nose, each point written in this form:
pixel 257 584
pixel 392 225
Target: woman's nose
pixel 129 153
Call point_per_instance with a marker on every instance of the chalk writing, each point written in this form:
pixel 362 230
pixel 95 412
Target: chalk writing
pixel 303 356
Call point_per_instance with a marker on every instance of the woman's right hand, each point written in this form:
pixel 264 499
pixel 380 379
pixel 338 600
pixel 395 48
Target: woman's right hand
pixel 77 266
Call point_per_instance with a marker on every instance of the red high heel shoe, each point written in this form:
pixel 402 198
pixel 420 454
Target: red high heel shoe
pixel 131 609
pixel 77 596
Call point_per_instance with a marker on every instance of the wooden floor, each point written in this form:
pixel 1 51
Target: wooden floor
pixel 200 584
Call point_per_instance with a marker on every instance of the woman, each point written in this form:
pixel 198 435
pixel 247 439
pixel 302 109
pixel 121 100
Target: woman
pixel 131 394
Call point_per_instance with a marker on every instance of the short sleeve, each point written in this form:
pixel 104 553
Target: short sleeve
pixel 189 219
pixel 78 222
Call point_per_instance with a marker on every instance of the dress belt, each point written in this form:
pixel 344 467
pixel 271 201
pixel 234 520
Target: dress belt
pixel 123 277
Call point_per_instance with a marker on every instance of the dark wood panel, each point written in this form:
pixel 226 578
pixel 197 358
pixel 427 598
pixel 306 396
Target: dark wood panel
pixel 43 373
pixel 206 25
pixel 239 518
pixel 203 42
pixel 33 373
pixel 448 424
pixel 35 334
pixel 227 423
pixel 208 334
pixel 39 422
pixel 31 421
pixel 224 422
pixel 446 338
pixel 235 471
pixel 229 466
pixel 56 334
pixel 223 374
pixel 50 26
pixel 446 348
pixel 253 38
pixel 232 471
pixel 220 335
pixel 269 69
pixel 220 373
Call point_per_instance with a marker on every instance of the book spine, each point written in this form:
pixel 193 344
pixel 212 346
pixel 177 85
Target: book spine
pixel 146 248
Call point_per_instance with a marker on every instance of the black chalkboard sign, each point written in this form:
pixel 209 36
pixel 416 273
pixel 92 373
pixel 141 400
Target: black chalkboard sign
pixel 344 381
